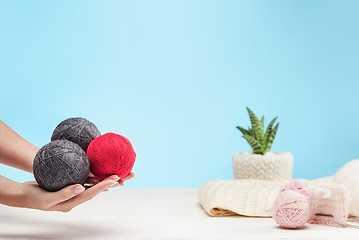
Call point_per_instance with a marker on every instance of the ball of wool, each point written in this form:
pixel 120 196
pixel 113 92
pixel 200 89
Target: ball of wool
pixel 60 163
pixel 111 154
pixel 78 130
pixel 291 209
pixel 297 187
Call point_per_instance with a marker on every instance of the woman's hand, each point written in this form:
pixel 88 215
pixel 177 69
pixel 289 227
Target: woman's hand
pixel 65 199
pixel 93 180
pixel 19 153
pixel 31 195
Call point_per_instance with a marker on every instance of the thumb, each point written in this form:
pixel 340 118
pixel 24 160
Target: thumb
pixel 67 193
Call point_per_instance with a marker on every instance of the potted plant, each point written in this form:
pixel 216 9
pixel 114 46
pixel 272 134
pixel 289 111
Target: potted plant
pixel 261 163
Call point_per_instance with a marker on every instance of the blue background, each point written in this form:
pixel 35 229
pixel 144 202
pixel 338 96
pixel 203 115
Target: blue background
pixel 175 78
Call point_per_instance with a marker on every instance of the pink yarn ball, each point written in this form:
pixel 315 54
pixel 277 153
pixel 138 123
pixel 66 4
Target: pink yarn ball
pixel 297 187
pixel 291 209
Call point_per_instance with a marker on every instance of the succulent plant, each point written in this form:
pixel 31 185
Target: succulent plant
pixel 259 140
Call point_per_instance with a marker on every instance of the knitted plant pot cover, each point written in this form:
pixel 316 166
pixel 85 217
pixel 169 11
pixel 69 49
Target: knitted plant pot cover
pixel 271 166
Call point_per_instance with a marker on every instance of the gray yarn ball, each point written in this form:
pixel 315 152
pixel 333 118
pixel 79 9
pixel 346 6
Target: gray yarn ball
pixel 78 130
pixel 59 164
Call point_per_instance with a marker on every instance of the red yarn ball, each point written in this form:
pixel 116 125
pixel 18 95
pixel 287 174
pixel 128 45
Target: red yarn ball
pixel 111 154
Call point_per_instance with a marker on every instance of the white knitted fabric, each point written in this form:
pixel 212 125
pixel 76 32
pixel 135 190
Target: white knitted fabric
pixel 248 197
pixel 271 166
pixel 329 205
pixel 348 175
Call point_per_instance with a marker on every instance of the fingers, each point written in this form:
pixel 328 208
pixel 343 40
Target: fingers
pixel 112 177
pixel 67 198
pixel 66 193
pixel 122 181
pixel 88 194
pixel 92 181
pixel 128 177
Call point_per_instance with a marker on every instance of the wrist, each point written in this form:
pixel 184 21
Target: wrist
pixel 11 193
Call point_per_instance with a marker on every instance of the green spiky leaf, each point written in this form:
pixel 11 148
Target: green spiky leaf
pixel 269 130
pixel 244 131
pixel 257 126
pixel 272 136
pixel 252 116
pixel 253 143
pixel 259 141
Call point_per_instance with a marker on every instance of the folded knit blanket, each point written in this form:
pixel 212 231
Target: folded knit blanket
pixel 247 197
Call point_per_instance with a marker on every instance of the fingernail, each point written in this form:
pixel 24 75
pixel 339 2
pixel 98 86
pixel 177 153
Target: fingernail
pixel 79 189
pixel 114 184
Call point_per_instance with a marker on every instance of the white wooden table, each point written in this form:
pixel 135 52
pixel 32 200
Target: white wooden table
pixel 150 214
